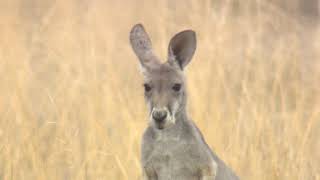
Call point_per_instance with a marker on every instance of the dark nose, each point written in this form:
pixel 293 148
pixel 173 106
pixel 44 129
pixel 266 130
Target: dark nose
pixel 159 116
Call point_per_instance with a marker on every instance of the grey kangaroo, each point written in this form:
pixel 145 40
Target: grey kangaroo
pixel 173 148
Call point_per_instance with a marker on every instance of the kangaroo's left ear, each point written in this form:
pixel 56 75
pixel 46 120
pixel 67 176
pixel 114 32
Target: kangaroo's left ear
pixel 181 48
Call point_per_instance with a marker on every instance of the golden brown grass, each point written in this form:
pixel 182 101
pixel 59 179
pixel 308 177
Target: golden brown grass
pixel 71 102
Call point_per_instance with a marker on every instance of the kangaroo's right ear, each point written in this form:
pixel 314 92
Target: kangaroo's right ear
pixel 141 45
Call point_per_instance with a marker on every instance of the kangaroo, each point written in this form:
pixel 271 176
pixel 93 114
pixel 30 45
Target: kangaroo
pixel 173 148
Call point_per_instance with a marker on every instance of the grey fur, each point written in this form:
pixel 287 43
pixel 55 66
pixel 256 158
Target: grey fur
pixel 173 149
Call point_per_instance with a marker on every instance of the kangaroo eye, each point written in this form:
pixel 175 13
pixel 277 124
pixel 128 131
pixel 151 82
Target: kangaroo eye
pixel 176 87
pixel 147 87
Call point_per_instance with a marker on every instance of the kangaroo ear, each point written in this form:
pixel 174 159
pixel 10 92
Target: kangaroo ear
pixel 181 48
pixel 141 45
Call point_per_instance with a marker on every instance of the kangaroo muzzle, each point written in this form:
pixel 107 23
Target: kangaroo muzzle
pixel 160 116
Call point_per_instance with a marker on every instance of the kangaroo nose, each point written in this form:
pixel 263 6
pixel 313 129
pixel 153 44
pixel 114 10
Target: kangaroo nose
pixel 159 116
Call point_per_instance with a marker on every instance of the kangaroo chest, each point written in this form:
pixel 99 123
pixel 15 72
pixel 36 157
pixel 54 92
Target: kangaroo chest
pixel 172 159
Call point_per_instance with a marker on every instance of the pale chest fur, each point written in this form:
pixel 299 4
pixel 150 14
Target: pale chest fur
pixel 173 158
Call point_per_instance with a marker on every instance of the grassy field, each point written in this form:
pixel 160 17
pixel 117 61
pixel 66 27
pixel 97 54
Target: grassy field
pixel 71 96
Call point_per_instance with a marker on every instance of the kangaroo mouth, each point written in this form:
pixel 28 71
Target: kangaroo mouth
pixel 160 126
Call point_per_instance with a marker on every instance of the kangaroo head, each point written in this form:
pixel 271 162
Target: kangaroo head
pixel 164 83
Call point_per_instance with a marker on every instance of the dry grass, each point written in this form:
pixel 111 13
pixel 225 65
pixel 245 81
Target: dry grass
pixel 71 102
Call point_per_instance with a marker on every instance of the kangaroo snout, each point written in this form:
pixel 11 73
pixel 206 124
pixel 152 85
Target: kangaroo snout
pixel 159 115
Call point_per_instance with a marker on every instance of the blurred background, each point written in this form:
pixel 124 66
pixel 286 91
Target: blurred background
pixel 71 96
